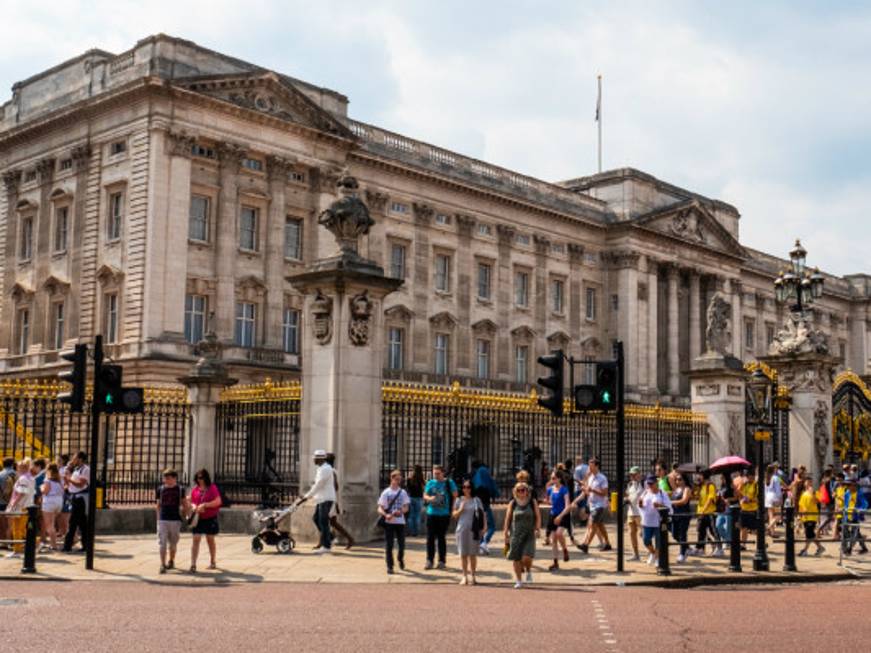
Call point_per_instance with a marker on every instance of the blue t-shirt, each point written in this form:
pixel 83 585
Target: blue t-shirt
pixel 442 491
pixel 557 499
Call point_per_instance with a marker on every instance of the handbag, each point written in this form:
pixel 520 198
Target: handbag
pixel 478 520
pixel 382 522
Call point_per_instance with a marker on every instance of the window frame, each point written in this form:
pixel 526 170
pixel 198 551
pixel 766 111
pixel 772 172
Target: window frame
pixel 482 358
pixel 191 314
pixel 558 308
pixel 518 275
pixel 290 343
pixel 255 211
pixel 111 313
pixel 445 275
pixel 403 265
pixel 517 364
pixel 591 308
pixel 22 325
pixel 58 317
pixel 115 215
pixel 245 324
pixel 206 220
pixel 61 209
pixel 488 295
pixel 288 220
pixel 442 352
pixel 25 243
pixel 395 348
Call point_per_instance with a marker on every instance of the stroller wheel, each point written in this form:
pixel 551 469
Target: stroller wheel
pixel 285 545
pixel 256 545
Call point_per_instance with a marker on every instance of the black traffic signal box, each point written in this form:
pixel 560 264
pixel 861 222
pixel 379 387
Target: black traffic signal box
pixel 602 395
pixel 77 377
pixel 554 382
pixel 113 397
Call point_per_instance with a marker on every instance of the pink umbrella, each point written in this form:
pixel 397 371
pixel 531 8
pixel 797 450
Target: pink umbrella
pixel 729 464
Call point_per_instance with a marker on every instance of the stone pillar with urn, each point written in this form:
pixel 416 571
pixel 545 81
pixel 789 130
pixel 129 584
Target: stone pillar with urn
pixel 342 362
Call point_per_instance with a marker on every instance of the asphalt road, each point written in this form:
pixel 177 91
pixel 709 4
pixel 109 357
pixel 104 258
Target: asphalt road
pixel 144 617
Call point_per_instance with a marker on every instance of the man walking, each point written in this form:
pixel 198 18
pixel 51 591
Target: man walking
pixel 77 479
pixel 323 491
pixel 596 489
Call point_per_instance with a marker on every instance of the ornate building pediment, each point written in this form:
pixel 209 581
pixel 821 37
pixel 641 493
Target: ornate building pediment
pixel 109 274
pixel 266 93
pixel 692 222
pixel 485 326
pixel 558 339
pixel 399 312
pixel 523 332
pixel 443 320
pixel 55 285
pixel 21 292
pixel 590 346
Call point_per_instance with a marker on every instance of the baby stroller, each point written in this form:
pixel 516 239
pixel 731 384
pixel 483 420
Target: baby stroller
pixel 275 530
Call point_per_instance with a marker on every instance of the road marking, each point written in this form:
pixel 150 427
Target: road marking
pixel 608 637
pixel 13 602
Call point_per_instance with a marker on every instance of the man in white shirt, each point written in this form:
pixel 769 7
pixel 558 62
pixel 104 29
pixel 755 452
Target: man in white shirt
pixel 323 491
pixel 596 489
pixel 76 480
pixel 649 504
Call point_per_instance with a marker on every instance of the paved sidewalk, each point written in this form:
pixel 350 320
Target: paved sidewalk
pixel 135 558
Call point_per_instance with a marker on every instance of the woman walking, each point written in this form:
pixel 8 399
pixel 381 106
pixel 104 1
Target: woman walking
pixel 680 524
pixel 522 527
pixel 414 486
pixel 560 507
pixel 633 494
pixel 393 506
pixel 206 502
pixel 471 523
pixel 774 496
pixel 438 494
pixel 52 504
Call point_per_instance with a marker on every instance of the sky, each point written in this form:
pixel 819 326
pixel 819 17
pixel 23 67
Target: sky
pixel 766 106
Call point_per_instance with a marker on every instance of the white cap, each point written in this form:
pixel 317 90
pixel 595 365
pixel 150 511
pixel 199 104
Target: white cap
pixel 319 453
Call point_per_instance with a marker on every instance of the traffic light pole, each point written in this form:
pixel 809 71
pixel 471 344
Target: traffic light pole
pixel 621 451
pixel 91 522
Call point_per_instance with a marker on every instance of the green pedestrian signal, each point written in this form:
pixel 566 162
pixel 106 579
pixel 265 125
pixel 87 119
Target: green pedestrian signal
pixel 602 395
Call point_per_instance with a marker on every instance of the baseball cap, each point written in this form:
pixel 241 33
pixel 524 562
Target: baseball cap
pixel 319 453
pixel 650 479
pixel 635 469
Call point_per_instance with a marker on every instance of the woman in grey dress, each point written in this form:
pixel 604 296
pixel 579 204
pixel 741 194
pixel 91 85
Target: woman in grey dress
pixel 522 527
pixel 468 541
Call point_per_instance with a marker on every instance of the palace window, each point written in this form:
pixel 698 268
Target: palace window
pixel 23 330
pixel 61 228
pixel 290 331
pixel 521 363
pixel 110 317
pixel 57 325
pixel 443 272
pixel 65 164
pixel 397 261
pixel 591 304
pixel 293 239
pixel 203 152
pixel 749 333
pixel 248 220
pixel 116 216
pixel 484 229
pixel 522 239
pixel 442 218
pixel 118 147
pixel 484 275
pixel 769 334
pixel 483 358
pixel 25 251
pixel 198 221
pixel 399 207
pixel 442 342
pixel 521 288
pixel 557 295
pixel 253 164
pixel 245 323
pixel 615 302
pixel 194 318
pixel 395 342
pixel 296 176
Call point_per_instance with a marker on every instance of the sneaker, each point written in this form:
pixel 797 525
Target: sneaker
pixel 402 565
pixel 320 550
pixel 719 553
pixel 442 565
pixel 483 550
pixel 605 547
pixel 635 558
pixel 13 555
pixel 390 571
pixel 802 554
pixel 651 559
pixel 428 565
pixel 554 566
pixel 464 581
pixel 162 569
pixel 694 551
pixel 170 564
pixel 517 585
pixel 820 551
pixel 584 548
pixel 528 576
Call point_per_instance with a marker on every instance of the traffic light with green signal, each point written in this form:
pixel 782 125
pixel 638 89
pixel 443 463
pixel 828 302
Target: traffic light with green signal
pixel 113 397
pixel 554 382
pixel 601 396
pixel 77 377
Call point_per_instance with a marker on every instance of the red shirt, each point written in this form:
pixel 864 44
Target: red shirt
pixel 208 495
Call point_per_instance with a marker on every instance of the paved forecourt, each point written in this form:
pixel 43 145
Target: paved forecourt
pixel 135 558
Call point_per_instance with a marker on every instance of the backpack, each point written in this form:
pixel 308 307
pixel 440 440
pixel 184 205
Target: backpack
pixel 7 485
pixel 825 497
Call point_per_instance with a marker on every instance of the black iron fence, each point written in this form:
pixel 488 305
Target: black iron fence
pixel 453 426
pixel 134 448
pixel 257 443
pixel 851 420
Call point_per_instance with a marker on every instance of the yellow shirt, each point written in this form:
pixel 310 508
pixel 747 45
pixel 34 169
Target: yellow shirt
pixel 749 490
pixel 808 507
pixel 707 500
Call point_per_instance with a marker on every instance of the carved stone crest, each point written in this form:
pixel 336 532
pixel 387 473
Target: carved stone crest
pixel 822 429
pixel 686 224
pixel 361 312
pixel 322 317
pixel 718 333
pixel 799 336
pixel 348 217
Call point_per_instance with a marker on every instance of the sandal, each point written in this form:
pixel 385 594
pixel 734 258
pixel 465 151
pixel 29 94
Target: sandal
pixel 193 569
pixel 213 566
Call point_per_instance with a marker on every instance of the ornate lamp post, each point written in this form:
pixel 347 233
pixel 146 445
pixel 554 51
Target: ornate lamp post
pixel 798 285
pixel 761 419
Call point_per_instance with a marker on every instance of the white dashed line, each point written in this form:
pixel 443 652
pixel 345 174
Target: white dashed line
pixel 608 637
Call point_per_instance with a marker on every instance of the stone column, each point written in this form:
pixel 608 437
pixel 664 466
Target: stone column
pixel 625 265
pixel 717 389
pixel 652 343
pixel 11 182
pixel 420 356
pixel 540 290
pixel 80 156
pixel 277 168
pixel 673 331
pixel 808 377
pixel 576 308
pixel 227 240
pixel 40 329
pixel 205 383
pixel 505 301
pixel 695 315
pixel 735 289
pixel 343 358
pixel 466 280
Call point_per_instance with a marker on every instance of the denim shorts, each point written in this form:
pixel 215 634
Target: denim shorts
pixel 650 534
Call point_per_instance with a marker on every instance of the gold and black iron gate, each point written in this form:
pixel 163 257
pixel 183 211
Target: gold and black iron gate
pixel 851 420
pixel 775 449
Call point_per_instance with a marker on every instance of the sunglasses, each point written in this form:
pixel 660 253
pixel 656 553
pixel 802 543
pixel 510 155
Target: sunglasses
pixel 521 491
pixel 467 487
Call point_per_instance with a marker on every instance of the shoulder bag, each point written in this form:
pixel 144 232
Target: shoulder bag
pixel 382 522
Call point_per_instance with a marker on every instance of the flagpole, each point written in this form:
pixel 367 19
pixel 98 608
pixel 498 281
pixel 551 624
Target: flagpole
pixel 599 120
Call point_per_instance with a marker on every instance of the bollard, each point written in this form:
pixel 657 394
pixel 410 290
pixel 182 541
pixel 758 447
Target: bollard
pixel 662 567
pixel 29 565
pixel 735 544
pixel 789 553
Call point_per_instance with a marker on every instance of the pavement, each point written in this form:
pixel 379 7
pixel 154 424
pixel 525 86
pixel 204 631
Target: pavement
pixel 135 558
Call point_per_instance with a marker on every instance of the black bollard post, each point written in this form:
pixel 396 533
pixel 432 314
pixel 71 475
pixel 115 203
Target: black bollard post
pixel 735 544
pixel 789 553
pixel 29 565
pixel 662 567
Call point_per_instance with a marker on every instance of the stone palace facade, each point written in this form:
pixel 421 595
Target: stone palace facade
pixel 158 194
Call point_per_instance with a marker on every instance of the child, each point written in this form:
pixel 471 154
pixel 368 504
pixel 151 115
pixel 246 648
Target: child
pixel 22 498
pixel 809 511
pixel 171 501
